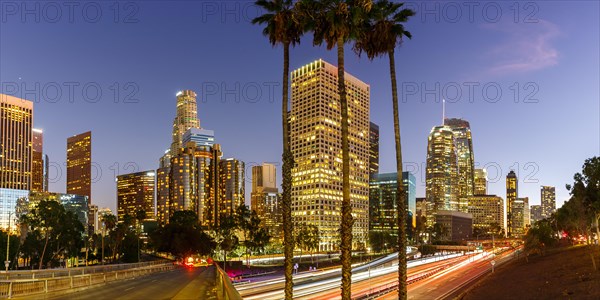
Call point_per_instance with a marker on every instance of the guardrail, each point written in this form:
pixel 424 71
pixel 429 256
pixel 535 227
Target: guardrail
pixel 224 287
pixel 24 287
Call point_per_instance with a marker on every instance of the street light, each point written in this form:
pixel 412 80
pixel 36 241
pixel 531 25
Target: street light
pixel 7 262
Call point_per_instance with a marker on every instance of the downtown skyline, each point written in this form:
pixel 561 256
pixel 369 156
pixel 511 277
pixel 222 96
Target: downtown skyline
pixel 505 133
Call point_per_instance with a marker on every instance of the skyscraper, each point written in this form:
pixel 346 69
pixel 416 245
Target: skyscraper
pixel 487 211
pixel 383 202
pixel 511 196
pixel 39 164
pixel 535 211
pixel 135 192
pixel 315 139
pixel 373 149
pixel 265 198
pixel 548 196
pixel 79 165
pixel 162 194
pixel 441 182
pixel 480 181
pixel 465 160
pixel 519 216
pixel 232 184
pixel 186 118
pixel 16 121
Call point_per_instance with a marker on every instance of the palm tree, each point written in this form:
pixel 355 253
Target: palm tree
pixel 384 30
pixel 282 28
pixel 335 23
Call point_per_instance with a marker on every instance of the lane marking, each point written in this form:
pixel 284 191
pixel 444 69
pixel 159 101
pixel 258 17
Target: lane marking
pixel 125 290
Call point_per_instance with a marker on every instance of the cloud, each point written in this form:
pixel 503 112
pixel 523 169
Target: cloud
pixel 528 48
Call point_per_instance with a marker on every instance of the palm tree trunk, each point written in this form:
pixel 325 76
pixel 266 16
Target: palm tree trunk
pixel 400 192
pixel 286 185
pixel 346 228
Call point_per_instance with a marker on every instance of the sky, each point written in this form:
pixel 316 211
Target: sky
pixel 525 75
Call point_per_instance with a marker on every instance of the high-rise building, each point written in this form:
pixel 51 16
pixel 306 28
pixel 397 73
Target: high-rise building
pixel 458 225
pixel 77 204
pixel 232 186
pixel 535 211
pixel 162 194
pixel 16 123
pixel 480 182
pixel 39 163
pixel 316 144
pixel 383 201
pixel 200 137
pixel 511 196
pixel 265 199
pixel 93 215
pixel 135 192
pixel 487 212
pixel 548 196
pixel 519 216
pixel 465 160
pixel 441 178
pixel 8 210
pixel 373 149
pixel 185 118
pixel 79 165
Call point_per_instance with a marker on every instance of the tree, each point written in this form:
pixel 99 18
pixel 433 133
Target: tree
pixel 586 188
pixel 384 30
pixel 14 246
pixel 182 236
pixel 226 239
pixel 307 238
pixel 243 220
pixel 538 237
pixel 335 23
pixel 283 28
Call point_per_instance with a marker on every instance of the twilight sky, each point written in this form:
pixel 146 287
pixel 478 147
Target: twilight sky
pixel 525 76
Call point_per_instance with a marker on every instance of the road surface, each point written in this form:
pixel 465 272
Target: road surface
pixel 181 283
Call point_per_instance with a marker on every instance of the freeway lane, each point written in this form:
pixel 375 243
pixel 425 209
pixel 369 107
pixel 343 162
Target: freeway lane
pixel 181 283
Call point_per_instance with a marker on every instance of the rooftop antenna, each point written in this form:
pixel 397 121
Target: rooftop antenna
pixel 443 111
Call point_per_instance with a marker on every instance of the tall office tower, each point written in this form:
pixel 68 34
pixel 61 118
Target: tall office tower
pixel 186 118
pixel 441 184
pixel 94 221
pixel 135 192
pixel 374 149
pixel 548 198
pixel 16 121
pixel 316 143
pixel 520 216
pixel 487 211
pixel 79 165
pixel 465 160
pixel 265 198
pixel 39 163
pixel 480 181
pixel 232 185
pixel 383 201
pixel 526 213
pixel 511 196
pixel 535 211
pixel 162 194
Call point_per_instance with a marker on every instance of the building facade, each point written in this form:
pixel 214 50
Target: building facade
pixel 458 226
pixel 8 203
pixel 16 134
pixel 186 118
pixel 265 199
pixel 441 177
pixel 487 212
pixel 79 165
pixel 39 163
pixel 535 212
pixel 465 160
pixel 373 149
pixel 548 196
pixel 135 192
pixel 77 204
pixel 383 202
pixel 316 144
pixel 520 216
pixel 511 197
pixel 480 181
pixel 232 174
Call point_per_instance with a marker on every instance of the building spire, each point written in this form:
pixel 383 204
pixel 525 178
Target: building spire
pixel 443 111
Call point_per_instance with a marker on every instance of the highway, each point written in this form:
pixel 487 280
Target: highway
pixel 181 283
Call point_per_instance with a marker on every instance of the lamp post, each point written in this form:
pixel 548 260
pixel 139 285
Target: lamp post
pixel 7 262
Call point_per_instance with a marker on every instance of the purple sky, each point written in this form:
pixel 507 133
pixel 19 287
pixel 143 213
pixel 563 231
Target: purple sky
pixel 542 57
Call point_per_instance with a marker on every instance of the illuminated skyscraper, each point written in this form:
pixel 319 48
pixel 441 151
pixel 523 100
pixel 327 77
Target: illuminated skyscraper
pixel 519 216
pixel 480 182
pixel 316 144
pixel 511 196
pixel 383 201
pixel 374 149
pixel 548 198
pixel 186 118
pixel 162 194
pixel 465 160
pixel 79 165
pixel 535 211
pixel 487 210
pixel 16 121
pixel 441 182
pixel 232 185
pixel 39 164
pixel 135 192
pixel 265 198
